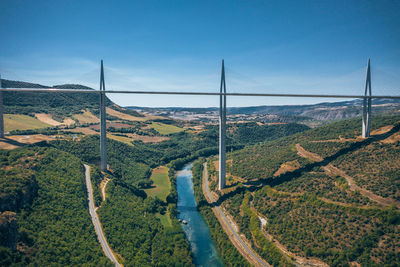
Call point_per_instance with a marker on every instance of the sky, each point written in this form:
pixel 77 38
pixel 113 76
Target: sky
pixel 268 46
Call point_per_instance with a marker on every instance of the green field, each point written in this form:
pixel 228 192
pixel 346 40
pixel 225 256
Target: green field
pixel 163 128
pixel 161 184
pixel 22 122
pixel 165 220
pixel 161 189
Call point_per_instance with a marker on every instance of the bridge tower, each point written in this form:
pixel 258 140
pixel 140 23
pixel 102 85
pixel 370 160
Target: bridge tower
pixel 103 127
pixel 366 118
pixel 1 112
pixel 222 131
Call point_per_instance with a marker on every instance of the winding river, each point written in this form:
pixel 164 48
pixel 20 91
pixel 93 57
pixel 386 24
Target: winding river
pixel 196 229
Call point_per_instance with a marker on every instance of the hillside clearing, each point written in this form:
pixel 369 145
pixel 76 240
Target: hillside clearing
pixel 122 139
pixel 22 122
pixel 86 117
pixel 161 184
pixel 124 116
pixel 46 118
pixel 165 129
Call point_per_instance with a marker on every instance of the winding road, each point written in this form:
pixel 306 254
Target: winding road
pixel 245 250
pixel 96 222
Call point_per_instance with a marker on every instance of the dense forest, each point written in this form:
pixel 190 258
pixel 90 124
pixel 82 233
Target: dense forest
pixel 52 222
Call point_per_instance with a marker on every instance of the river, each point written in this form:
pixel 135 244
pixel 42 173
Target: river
pixel 196 229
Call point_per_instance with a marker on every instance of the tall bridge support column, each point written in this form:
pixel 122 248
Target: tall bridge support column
pixel 103 128
pixel 366 119
pixel 222 131
pixel 1 112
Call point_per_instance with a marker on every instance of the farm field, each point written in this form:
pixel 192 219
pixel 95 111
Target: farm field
pixel 86 117
pixel 22 122
pixel 161 183
pixel 165 129
pixel 122 139
pixel 123 116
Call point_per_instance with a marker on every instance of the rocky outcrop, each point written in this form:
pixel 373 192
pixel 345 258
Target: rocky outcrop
pixel 8 230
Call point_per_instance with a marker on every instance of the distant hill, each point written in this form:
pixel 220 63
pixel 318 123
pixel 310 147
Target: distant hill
pixel 72 86
pixel 58 104
pixel 321 111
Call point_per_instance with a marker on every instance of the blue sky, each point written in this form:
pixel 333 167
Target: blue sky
pixel 268 46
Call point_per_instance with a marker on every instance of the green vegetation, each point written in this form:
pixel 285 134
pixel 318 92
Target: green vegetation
pixel 18 185
pixel 44 131
pixel 161 184
pixel 263 160
pixel 310 227
pixel 165 129
pixel 312 211
pixel 263 246
pixel 56 227
pixel 375 167
pixel 59 105
pixel 22 122
pixel 134 231
pixel 228 253
pixel 129 167
pixel 136 224
pixel 96 178
pixel 325 149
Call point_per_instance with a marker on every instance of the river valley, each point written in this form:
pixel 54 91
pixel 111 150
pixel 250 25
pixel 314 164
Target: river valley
pixel 196 229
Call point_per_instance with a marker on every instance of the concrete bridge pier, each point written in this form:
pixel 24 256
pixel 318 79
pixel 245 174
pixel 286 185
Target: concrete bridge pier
pixel 103 127
pixel 1 112
pixel 366 118
pixel 222 131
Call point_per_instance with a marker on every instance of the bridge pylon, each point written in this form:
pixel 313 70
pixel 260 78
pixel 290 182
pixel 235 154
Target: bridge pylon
pixel 1 112
pixel 222 131
pixel 103 127
pixel 366 118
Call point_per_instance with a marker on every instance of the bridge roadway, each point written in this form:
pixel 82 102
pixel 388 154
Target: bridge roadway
pixel 96 222
pixel 69 90
pixel 245 250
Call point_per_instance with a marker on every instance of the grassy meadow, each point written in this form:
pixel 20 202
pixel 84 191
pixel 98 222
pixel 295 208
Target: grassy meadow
pixel 22 122
pixel 161 184
pixel 165 129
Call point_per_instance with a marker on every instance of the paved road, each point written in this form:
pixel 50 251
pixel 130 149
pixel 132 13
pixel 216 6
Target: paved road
pixel 96 222
pixel 249 252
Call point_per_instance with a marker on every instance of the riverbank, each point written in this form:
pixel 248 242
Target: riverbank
pixel 227 251
pixel 193 224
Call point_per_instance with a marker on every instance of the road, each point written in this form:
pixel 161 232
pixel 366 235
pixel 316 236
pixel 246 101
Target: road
pixel 96 222
pixel 245 250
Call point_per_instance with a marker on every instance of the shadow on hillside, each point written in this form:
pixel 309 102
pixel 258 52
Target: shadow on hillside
pixel 11 141
pixel 254 185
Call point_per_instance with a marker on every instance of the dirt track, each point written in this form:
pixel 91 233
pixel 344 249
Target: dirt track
pixel 330 169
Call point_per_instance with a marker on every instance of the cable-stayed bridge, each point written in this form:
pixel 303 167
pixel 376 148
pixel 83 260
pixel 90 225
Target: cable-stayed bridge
pixel 366 118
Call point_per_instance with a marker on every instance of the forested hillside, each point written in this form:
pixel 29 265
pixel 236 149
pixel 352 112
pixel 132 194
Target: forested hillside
pixel 141 230
pixel 326 195
pixel 57 104
pixel 43 190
